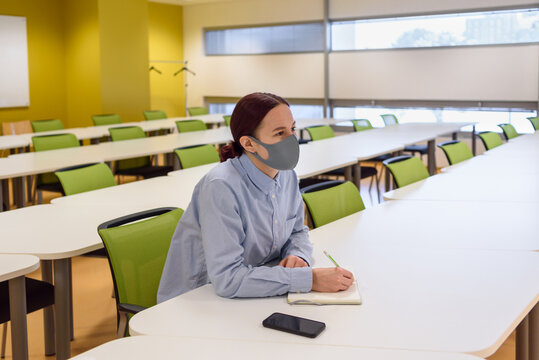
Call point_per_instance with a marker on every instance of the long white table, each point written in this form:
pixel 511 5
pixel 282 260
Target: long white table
pixel 12 269
pixel 160 347
pixel 415 299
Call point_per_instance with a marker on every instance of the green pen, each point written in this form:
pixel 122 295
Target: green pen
pixel 330 258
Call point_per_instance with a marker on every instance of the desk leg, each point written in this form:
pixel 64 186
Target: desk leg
pixel 348 173
pixel 455 136
pixel 4 195
pixel 29 183
pixel 17 308
pixel 534 332
pixel 522 344
pixel 19 192
pixel 474 141
pixel 301 134
pixel 70 274
pixel 61 298
pixel 48 312
pixel 357 175
pixel 432 157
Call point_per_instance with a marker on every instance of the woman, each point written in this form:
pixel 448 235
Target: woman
pixel 246 212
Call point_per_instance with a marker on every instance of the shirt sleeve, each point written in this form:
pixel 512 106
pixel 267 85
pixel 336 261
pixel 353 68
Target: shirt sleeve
pixel 222 236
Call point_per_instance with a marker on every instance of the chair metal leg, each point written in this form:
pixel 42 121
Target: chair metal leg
pixel 122 325
pixel 378 189
pixel 39 197
pixel 4 337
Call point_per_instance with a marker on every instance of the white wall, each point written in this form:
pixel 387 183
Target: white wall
pixel 290 75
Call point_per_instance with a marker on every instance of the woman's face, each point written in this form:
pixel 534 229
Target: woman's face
pixel 277 125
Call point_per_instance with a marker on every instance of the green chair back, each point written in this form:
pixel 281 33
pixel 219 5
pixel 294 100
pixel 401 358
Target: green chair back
pixel 106 119
pixel 129 133
pixel 320 132
pixel 509 131
pixel 406 169
pixel 362 124
pixel 137 252
pixel 331 200
pixel 197 155
pixel 227 119
pixel 52 142
pixel 85 178
pixel 46 125
pixel 535 122
pixel 195 111
pixel 456 151
pixel 190 125
pixel 389 119
pixel 154 115
pixel 490 139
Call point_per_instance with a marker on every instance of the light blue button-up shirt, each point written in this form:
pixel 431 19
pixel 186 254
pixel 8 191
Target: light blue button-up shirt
pixel 238 220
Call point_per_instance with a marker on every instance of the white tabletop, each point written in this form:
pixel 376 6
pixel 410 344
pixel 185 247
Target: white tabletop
pixel 12 142
pixel 496 165
pixel 416 299
pixel 148 347
pixel 12 266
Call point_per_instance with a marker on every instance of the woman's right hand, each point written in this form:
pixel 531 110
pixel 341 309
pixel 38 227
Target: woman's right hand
pixel 331 279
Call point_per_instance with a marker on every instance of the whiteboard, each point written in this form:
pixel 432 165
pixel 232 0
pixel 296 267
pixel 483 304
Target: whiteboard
pixel 14 88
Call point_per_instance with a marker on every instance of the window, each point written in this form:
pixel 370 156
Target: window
pixel 298 111
pixel 478 28
pixel 487 120
pixel 266 39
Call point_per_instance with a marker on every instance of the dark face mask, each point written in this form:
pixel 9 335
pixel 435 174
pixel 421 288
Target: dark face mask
pixel 283 155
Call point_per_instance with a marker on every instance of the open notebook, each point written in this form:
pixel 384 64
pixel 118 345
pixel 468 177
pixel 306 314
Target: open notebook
pixel 347 297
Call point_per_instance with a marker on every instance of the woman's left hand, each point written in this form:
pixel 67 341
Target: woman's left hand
pixel 293 261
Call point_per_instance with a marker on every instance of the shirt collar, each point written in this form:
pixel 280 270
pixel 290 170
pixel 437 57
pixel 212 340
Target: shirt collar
pixel 257 177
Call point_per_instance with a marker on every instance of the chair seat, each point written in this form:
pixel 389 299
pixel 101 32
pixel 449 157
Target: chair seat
pixel 54 187
pixel 422 149
pixel 366 171
pixel 39 294
pixel 380 158
pixel 147 172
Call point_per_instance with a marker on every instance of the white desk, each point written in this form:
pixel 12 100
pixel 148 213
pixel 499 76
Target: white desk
pixel 154 347
pixel 12 269
pixel 470 187
pixel 497 165
pixel 415 299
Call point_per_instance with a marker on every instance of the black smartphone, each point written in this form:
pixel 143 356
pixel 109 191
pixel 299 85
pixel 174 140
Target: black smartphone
pixel 294 325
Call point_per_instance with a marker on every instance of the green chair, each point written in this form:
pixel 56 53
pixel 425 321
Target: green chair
pixel 391 119
pixel 190 125
pixel 191 156
pixel 406 169
pixel 137 247
pixel 456 151
pixel 331 200
pixel 535 122
pixel 46 125
pixel 227 119
pixel 361 125
pixel 195 111
pixel 141 166
pixel 82 178
pixel 509 131
pixel 49 181
pixel 106 119
pixel 490 139
pixel 154 115
pixel 320 132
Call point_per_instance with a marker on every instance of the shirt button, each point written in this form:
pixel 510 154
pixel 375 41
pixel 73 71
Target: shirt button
pixel 272 196
pixel 276 221
pixel 274 247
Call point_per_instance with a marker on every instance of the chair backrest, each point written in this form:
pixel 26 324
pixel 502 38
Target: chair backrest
pixel 490 139
pixel 106 119
pixel 331 200
pixel 190 125
pixel 535 122
pixel 456 151
pixel 52 142
pixel 46 125
pixel 509 131
pixel 195 111
pixel 406 169
pixel 389 119
pixel 137 251
pixel 78 179
pixel 16 127
pixel 361 124
pixel 192 156
pixel 154 115
pixel 320 132
pixel 129 133
pixel 227 119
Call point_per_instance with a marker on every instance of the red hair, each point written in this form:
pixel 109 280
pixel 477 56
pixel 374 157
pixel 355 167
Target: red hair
pixel 246 117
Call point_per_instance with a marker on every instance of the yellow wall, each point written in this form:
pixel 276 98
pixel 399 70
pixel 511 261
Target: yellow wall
pixel 165 44
pixel 123 33
pixel 45 59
